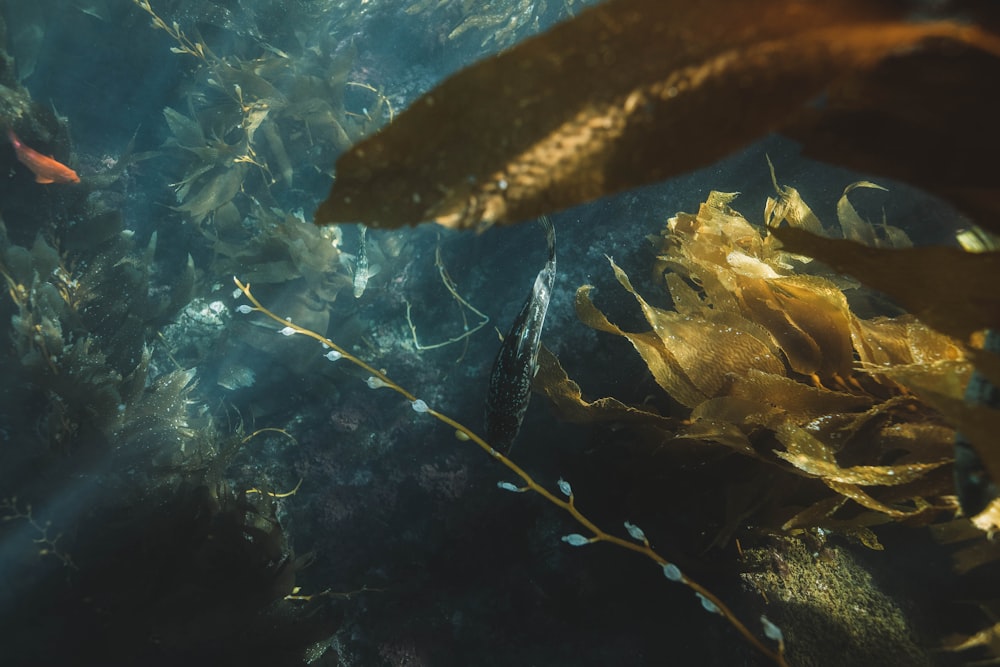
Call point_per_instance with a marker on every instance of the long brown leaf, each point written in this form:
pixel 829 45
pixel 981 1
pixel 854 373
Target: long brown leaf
pixel 629 92
pixel 949 289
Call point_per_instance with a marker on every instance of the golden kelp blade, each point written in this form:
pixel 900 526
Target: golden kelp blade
pixel 816 458
pixel 627 93
pixel 709 349
pixel 808 317
pixel 951 290
pixel 693 358
pixel 568 401
pixel 797 401
pixel 989 637
pixel 856 229
pixel 658 359
pixel 738 351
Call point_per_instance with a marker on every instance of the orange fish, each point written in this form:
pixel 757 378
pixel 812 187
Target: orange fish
pixel 45 168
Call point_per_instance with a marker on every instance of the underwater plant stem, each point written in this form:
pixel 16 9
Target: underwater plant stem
pixel 184 45
pixel 379 97
pixel 463 305
pixel 245 288
pixel 709 599
pixel 275 494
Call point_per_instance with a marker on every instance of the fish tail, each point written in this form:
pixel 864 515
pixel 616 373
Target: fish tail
pixel 550 235
pixel 13 138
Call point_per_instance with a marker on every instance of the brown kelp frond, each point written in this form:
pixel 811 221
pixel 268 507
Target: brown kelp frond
pixel 775 364
pixel 568 401
pixel 916 117
pixel 988 638
pixel 952 290
pixel 972 551
pixel 88 354
pixel 914 276
pixel 634 91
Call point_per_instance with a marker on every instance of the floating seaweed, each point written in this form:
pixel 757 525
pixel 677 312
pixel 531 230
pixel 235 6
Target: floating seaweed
pixel 926 280
pixel 634 91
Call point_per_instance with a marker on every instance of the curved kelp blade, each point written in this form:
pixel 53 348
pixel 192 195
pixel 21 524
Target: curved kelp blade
pixel 567 399
pixel 629 92
pixel 950 289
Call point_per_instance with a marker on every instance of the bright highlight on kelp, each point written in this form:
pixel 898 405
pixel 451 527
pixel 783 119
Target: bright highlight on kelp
pixel 768 352
pixel 635 91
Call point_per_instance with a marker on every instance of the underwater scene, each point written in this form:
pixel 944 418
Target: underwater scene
pixel 419 333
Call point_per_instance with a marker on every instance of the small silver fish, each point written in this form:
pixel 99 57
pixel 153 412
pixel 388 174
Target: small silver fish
pixel 517 361
pixel 362 271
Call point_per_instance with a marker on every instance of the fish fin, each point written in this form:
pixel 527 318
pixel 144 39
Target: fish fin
pixel 43 179
pixel 373 270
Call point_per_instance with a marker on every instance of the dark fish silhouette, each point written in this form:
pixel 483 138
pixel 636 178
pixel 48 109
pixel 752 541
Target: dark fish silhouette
pixel 517 361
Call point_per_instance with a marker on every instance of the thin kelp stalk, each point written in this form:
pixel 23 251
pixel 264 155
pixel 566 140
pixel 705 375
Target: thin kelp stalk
pixel 709 601
pixel 463 305
pixel 184 45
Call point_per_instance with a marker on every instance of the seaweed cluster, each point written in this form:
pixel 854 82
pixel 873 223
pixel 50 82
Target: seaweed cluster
pixel 251 122
pixel 87 354
pixel 766 354
pixel 245 149
pixel 112 495
pixel 124 538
